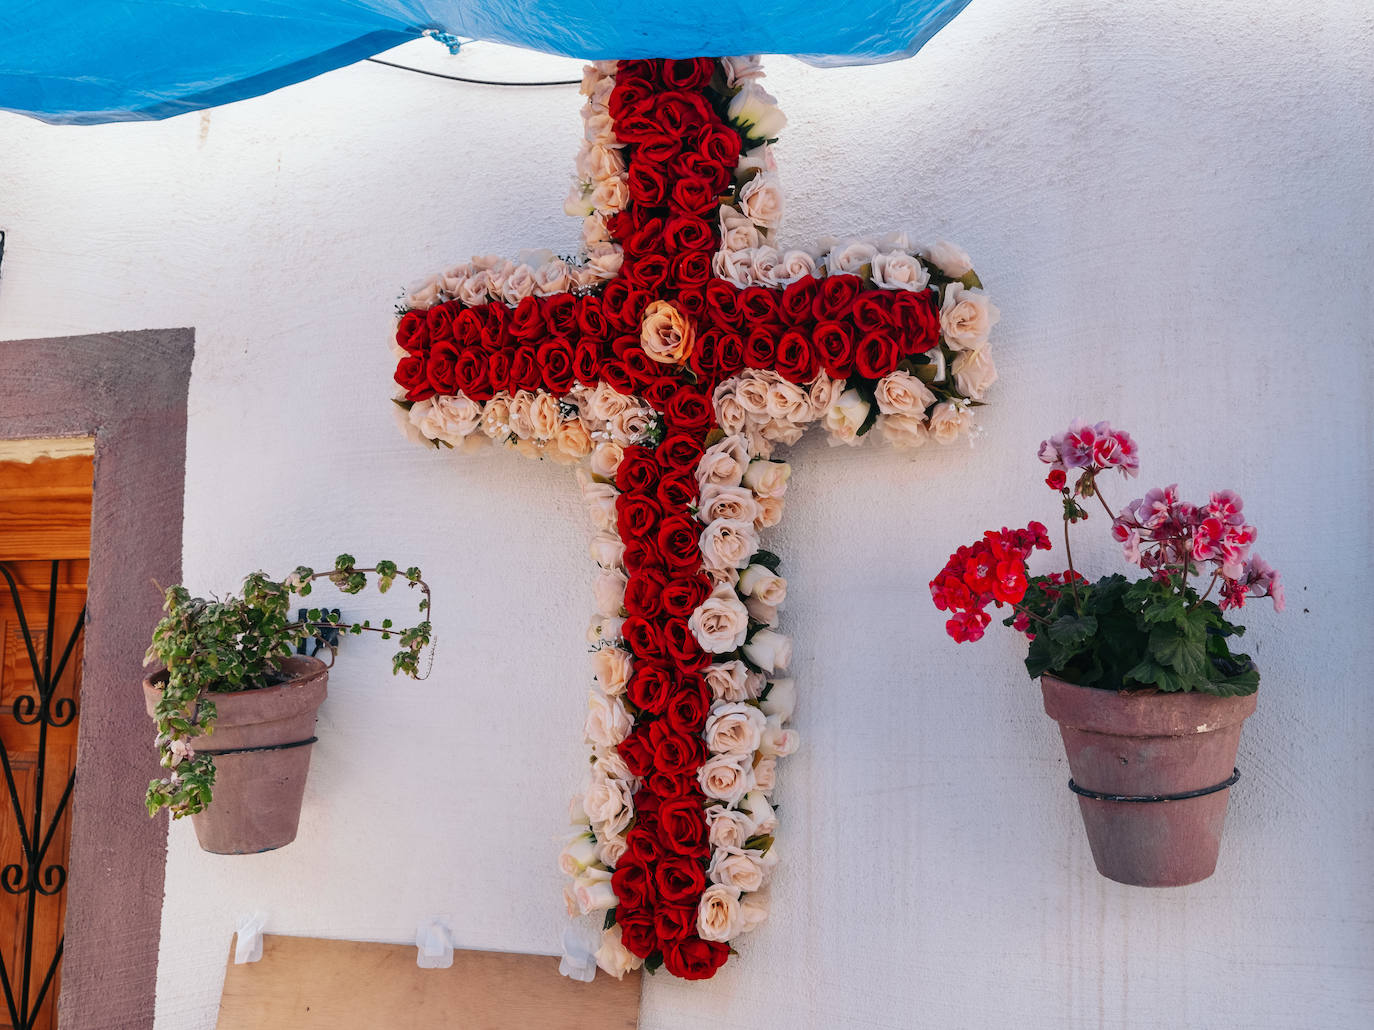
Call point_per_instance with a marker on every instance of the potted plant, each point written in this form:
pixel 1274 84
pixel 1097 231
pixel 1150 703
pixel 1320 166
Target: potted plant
pixel 1140 674
pixel 228 669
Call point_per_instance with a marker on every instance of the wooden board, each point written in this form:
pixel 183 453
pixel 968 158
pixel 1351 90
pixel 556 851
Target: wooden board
pixel 45 508
pixel 302 983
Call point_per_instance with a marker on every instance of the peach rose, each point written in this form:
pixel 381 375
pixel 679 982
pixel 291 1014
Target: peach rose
pixel 949 421
pixel 666 334
pixel 734 728
pixel 729 681
pixel 611 666
pixel 730 415
pixel 728 828
pixel 606 458
pixel 613 958
pixel 728 544
pixel 608 721
pixel 765 774
pixel 727 502
pixel 727 777
pixel 949 259
pixel 761 200
pixel 718 913
pixel 723 463
pixel 901 393
pixel 721 622
pixel 966 317
pixel 974 372
pixel 770 512
pixel 572 439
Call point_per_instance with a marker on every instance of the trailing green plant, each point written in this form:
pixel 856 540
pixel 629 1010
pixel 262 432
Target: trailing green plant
pixel 1156 633
pixel 220 646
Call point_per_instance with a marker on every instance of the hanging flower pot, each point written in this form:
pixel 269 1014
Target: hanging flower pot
pixel 235 709
pixel 261 749
pixel 1153 774
pixel 1141 677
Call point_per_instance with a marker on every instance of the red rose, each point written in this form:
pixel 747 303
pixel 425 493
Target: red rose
pixel 590 321
pixel 695 165
pixel 642 845
pixel 690 704
pixel 524 370
pixel 439 370
pixel 687 232
pixel 630 92
pixel 689 410
pixel 919 320
pixel 440 321
pixel 410 375
pixel 617 376
pixel 637 932
pixel 836 297
pixel 621 225
pixel 679 542
pixel 467 328
pixel 632 885
pixel 644 594
pixel 495 330
pixel 795 359
pixel 527 320
pixel 560 314
pixel 675 752
pixel 638 471
pixel 679 880
pixel 722 300
pixel 683 594
pixel 636 752
pixel 650 687
pixel 692 271
pixel 679 113
pixel 694 959
pixel 657 393
pixel 555 360
pixel 471 376
pixel 873 310
pixel 680 451
pixel 660 150
pixel 672 786
pixel 620 306
pixel 648 273
pixel 689 74
pixel 729 354
pixel 648 184
pixel 587 361
pixel 759 307
pixel 876 354
pixel 645 640
pixel 692 301
pixel 498 370
pixel 694 195
pixel 636 516
pixel 412 331
pixel 680 644
pixel 645 236
pixel 720 145
pixel 835 349
pixel 677 491
pixel 798 298
pixel 641 555
pixel 674 922
pixel 760 349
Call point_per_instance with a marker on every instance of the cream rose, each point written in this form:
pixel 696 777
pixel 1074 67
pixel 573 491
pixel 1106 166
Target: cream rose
pixel 613 958
pixel 496 417
pixel 727 777
pixel 724 462
pixel 751 390
pixel 949 259
pixel 729 681
pixel 966 317
pixel 738 233
pixel 739 70
pixel 765 584
pixel 770 512
pixel 594 896
pixel 776 741
pixel 605 403
pixel 761 200
pixel 753 910
pixel 579 854
pixel 788 402
pixel 718 917
pixel 596 162
pixel 767 478
pixel 666 334
pixel 611 667
pixel 727 502
pixel 896 270
pixel 755 111
pixel 451 419
pixel 552 277
pixel 609 591
pixel 765 774
pixel 611 850
pixel 608 762
pixel 606 458
pixel 901 393
pixel 765 614
pixel 608 722
pixel 728 828
pixel 793 265
pixel 974 372
pixel 611 194
pixel 427 295
pixel 734 728
pixel 845 417
pixel 475 289
pixel 518 285
pixel 607 799
pixel 852 257
pixel 721 622
pixel 599 499
pixel 755 805
pixel 728 544
pixel 823 393
pixel 607 550
pixel 730 415
pixel 604 259
pixel 630 425
pixel 734 267
pixel 780 699
pixel 948 422
pixel 742 869
pixel 604 630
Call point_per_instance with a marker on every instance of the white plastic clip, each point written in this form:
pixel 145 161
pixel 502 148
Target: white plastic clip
pixel 248 942
pixel 579 953
pixel 434 947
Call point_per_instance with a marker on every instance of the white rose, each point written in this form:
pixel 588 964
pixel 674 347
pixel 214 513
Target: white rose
pixel 578 202
pixel 729 681
pixel 780 699
pixel 577 812
pixel 778 742
pixel 765 584
pixel 753 910
pixel 792 266
pixel 895 270
pixel 853 257
pixel 769 650
pixel 761 200
pixel 718 916
pixel 966 317
pixel 974 372
pixel 594 896
pixel 720 623
pixel 949 259
pixel 608 722
pixel 901 393
pixel 609 591
pixel 611 667
pixel 767 478
pixel 756 112
pixel 904 431
pixel 743 869
pixel 578 855
pixel 613 957
pixel 734 728
pixel 727 777
pixel 724 463
pixel 607 550
pixel 728 544
pixel 728 828
pixel 727 502
pixel 604 630
pixel 755 805
pixel 845 417
pixel 606 458
pixel 948 422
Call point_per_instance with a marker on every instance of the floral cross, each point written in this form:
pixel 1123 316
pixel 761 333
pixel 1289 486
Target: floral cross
pixel 669 363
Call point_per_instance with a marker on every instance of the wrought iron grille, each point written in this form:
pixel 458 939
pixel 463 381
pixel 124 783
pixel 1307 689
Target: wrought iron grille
pixel 34 877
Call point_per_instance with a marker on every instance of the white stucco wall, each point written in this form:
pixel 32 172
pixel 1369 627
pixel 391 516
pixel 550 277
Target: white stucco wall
pixel 1169 202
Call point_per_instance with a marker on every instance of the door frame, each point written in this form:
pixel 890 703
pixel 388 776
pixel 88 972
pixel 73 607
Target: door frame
pixel 128 390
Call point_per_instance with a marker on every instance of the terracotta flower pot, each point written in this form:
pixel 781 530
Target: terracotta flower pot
pixel 1144 745
pixel 257 794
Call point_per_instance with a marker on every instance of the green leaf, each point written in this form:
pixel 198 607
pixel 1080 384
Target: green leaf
pixel 609 920
pixel 1072 629
pixel 767 559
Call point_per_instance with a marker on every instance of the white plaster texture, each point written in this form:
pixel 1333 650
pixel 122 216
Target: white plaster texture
pixel 1169 203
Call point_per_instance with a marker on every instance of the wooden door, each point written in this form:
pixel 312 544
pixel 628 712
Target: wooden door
pixel 44 551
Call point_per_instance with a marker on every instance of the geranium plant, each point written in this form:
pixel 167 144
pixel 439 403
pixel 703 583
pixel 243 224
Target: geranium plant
pixel 1160 631
pixel 214 646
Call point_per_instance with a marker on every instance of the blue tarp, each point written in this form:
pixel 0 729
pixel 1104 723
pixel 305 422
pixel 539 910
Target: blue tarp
pixel 86 61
